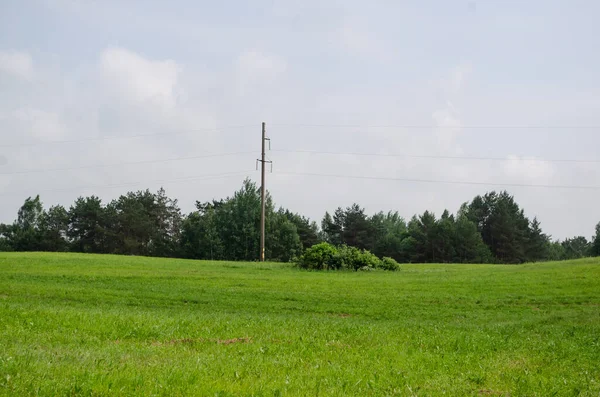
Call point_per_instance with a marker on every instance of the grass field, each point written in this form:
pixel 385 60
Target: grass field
pixel 75 324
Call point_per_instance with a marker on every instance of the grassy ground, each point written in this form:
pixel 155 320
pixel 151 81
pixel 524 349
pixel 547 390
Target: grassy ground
pixel 97 325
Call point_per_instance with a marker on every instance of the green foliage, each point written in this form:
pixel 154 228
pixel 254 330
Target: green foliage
pixel 420 230
pixel 468 243
pixel 238 222
pixel 576 247
pixel 26 233
pixel 556 251
pixel 5 243
pixel 503 226
pixel 490 229
pixel 200 237
pixel 147 223
pixel 36 229
pixel 308 231
pixel 537 243
pixel 283 241
pixel 389 264
pixel 30 214
pixel 134 222
pixel 349 226
pixel 88 226
pixel 54 226
pixel 322 256
pixel 230 229
pixel 100 325
pixel 353 258
pixel 357 230
pixel 332 227
pixel 595 248
pixel 389 232
pixel 325 256
pixel 166 225
pixel 444 240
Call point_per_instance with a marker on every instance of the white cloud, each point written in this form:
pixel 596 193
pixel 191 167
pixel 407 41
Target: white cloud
pixel 259 64
pixel 139 79
pixel 459 76
pixel 447 118
pixel 256 68
pixel 356 38
pixel 257 73
pixel 17 64
pixel 528 169
pixel 306 62
pixel 41 124
pixel 449 127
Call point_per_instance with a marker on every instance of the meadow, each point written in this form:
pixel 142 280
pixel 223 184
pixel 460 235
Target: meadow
pixel 91 325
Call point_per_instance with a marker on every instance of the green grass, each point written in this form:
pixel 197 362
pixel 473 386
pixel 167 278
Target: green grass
pixel 75 324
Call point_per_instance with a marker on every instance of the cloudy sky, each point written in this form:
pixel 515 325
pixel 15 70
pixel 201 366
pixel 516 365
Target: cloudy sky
pixel 143 94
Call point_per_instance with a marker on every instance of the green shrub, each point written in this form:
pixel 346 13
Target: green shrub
pixel 325 256
pixel 370 260
pixel 322 256
pixel 389 264
pixel 349 257
pixel 355 259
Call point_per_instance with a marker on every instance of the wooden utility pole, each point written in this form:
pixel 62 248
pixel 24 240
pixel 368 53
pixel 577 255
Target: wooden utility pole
pixel 263 192
pixel 262 197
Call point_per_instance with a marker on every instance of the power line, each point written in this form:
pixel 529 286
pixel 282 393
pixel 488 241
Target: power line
pixel 441 181
pixel 399 126
pixel 106 138
pixel 422 126
pixel 31 171
pixel 125 184
pixel 418 156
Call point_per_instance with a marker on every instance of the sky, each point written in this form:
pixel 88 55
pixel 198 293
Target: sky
pixel 105 97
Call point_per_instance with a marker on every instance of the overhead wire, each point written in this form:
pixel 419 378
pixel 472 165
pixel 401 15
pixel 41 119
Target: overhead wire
pixel 417 180
pixel 120 137
pixel 173 159
pixel 399 126
pixel 443 157
pixel 212 155
pixel 135 183
pixel 422 126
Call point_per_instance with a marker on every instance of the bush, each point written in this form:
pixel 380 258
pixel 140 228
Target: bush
pixel 348 257
pixel 322 256
pixel 370 260
pixel 355 259
pixel 325 256
pixel 389 264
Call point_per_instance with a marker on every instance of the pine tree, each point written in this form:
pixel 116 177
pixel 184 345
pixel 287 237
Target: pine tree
pixel 356 230
pixel 468 244
pixel 54 225
pixel 537 243
pixel 332 227
pixel 88 226
pixel 502 224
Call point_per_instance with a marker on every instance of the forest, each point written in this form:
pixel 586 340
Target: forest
pixel 491 228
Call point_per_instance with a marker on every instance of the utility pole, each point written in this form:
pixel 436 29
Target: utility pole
pixel 263 161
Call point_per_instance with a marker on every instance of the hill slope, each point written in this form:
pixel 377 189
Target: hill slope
pixel 95 325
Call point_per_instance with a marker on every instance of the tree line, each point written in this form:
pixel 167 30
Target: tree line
pixel 489 229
